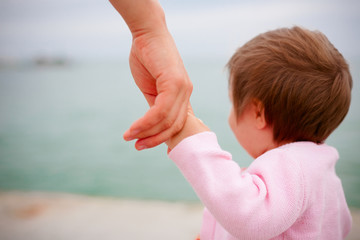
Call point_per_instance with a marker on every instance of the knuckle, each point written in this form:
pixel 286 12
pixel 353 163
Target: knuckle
pixel 167 123
pixel 178 83
pixel 177 128
pixel 190 87
pixel 153 142
pixel 180 79
pixel 163 113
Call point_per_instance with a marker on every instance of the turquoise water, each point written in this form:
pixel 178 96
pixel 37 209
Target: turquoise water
pixel 61 130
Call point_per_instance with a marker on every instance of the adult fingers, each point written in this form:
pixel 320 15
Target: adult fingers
pixel 160 117
pixel 164 135
pixel 173 96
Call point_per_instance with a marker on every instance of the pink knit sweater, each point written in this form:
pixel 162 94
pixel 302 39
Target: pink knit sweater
pixel 291 192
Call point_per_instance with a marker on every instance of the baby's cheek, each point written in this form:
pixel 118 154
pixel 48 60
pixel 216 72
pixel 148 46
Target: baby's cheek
pixel 231 120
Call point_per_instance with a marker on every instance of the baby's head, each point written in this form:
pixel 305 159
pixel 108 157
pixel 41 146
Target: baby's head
pixel 299 79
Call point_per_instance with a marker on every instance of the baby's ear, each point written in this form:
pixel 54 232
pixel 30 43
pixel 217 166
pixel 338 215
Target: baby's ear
pixel 259 113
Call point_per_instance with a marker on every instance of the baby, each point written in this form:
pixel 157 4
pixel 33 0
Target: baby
pixel 289 88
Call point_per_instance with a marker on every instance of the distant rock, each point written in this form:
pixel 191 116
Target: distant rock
pixel 50 61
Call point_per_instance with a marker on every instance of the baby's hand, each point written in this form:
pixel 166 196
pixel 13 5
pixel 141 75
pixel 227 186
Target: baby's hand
pixel 192 126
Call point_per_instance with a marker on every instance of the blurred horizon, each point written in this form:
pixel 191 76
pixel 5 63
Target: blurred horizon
pixel 92 29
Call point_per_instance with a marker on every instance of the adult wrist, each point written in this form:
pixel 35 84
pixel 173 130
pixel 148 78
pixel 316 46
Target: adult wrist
pixel 150 20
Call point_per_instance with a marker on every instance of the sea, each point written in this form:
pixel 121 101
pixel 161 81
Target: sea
pixel 61 127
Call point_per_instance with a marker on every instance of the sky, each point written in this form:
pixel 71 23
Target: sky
pixel 201 28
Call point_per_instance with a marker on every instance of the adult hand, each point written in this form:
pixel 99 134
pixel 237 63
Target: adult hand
pixel 160 75
pixel 158 71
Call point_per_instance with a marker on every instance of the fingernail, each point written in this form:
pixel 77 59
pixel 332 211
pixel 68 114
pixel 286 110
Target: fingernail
pixel 134 133
pixel 131 134
pixel 141 147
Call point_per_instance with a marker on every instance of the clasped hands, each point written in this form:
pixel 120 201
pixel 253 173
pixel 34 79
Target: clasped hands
pixel 158 71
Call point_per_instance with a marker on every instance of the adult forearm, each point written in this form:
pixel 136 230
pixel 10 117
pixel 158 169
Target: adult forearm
pixel 141 16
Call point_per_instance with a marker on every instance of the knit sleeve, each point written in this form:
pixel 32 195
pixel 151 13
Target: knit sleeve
pixel 258 203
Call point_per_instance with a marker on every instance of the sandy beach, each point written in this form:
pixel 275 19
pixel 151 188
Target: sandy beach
pixel 60 216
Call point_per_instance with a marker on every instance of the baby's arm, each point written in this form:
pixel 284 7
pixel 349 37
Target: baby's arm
pixel 254 204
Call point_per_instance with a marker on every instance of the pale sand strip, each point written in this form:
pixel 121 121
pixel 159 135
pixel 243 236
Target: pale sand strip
pixel 40 216
pixel 50 216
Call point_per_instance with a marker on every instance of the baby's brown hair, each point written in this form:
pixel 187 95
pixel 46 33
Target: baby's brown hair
pixel 301 79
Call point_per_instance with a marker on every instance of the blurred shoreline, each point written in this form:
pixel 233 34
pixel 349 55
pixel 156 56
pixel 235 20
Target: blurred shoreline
pixel 35 61
pixel 47 215
pixel 63 216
